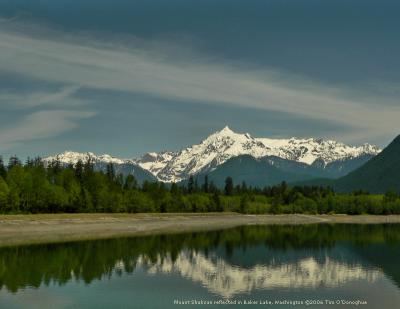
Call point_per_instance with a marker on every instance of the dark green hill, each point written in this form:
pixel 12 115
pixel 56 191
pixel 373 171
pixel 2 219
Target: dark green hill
pixel 255 172
pixel 341 168
pixel 272 170
pixel 378 175
pixel 125 169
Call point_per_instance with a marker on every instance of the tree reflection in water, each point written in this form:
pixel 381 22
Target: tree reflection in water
pixel 225 262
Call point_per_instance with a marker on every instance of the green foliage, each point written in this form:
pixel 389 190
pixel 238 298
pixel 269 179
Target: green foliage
pixel 198 202
pixel 305 205
pixel 136 201
pixel 216 202
pixel 4 192
pixel 244 203
pixel 34 188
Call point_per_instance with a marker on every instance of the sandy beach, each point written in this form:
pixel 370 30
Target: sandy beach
pixel 31 229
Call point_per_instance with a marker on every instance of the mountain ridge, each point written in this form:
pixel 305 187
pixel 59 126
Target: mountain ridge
pixel 219 147
pixel 378 175
pixel 100 162
pixel 225 144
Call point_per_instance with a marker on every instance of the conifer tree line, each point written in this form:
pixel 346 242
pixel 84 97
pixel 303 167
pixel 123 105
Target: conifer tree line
pixel 34 187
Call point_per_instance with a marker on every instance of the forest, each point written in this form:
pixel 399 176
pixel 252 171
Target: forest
pixel 36 187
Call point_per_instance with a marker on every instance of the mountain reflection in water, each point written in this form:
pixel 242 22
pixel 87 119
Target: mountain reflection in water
pixel 226 263
pixel 226 280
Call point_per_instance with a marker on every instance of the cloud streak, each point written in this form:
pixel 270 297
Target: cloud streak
pixel 80 62
pixel 42 124
pixel 15 100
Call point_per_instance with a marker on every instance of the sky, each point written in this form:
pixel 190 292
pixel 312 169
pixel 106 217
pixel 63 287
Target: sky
pixel 126 77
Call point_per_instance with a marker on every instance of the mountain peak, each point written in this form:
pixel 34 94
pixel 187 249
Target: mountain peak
pixel 225 131
pixel 221 135
pixel 222 145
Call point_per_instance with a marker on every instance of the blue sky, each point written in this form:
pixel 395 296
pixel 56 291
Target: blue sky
pixel 127 77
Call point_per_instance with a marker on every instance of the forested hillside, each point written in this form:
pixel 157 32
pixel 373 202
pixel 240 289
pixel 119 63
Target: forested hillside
pixel 378 175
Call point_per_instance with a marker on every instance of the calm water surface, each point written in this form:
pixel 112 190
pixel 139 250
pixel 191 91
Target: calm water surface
pixel 254 263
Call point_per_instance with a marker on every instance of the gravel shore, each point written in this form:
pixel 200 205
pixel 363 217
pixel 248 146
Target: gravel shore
pixel 31 229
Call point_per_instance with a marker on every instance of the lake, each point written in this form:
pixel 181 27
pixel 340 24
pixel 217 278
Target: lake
pixel 278 266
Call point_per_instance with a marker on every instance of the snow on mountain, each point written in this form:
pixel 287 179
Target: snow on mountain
pixel 71 157
pixel 225 144
pixel 121 166
pixel 155 162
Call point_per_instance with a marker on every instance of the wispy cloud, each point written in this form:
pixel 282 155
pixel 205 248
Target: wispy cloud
pixel 18 100
pixel 40 125
pixel 98 65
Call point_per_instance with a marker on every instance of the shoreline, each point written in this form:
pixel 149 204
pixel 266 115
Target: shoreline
pixel 53 228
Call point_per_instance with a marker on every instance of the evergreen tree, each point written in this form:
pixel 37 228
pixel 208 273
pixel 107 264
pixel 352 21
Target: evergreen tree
pixel 191 184
pixel 237 189
pixel 217 202
pixel 284 186
pixel 212 188
pixel 29 162
pixel 206 186
pixel 79 170
pixel 88 167
pixel 120 180
pixel 243 188
pixel 174 189
pixel 3 171
pixel 32 188
pixel 130 182
pixel 14 161
pixel 110 172
pixel 38 162
pixel 228 186
pixel 54 168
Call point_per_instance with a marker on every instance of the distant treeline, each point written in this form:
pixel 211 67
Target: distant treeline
pixel 55 188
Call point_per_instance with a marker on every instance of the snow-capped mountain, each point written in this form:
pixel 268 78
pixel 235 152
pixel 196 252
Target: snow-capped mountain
pixel 121 166
pixel 71 157
pixel 225 144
